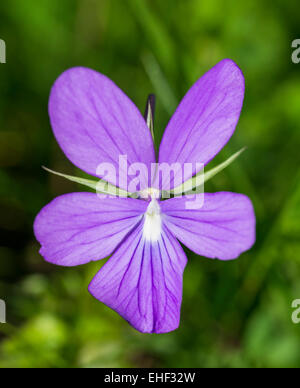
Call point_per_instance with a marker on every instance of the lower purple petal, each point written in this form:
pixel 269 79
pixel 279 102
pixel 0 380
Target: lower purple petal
pixel 142 281
pixel 78 228
pixel 223 228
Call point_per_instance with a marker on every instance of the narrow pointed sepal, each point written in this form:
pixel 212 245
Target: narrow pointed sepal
pixel 195 184
pixel 100 186
pixel 149 114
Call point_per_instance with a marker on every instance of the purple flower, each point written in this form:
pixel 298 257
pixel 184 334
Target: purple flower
pixel 94 122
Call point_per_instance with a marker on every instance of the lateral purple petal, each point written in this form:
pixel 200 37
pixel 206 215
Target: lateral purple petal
pixel 143 282
pixel 223 228
pixel 78 228
pixel 95 122
pixel 205 119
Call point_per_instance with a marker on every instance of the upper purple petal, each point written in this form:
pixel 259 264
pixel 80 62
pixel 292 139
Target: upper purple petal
pixel 78 228
pixel 95 122
pixel 205 119
pixel 142 281
pixel 223 228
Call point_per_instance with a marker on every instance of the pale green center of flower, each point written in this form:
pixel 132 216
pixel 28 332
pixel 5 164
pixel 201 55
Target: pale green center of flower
pixel 150 192
pixel 152 217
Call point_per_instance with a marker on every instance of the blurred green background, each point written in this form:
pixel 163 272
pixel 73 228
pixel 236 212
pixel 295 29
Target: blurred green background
pixel 234 314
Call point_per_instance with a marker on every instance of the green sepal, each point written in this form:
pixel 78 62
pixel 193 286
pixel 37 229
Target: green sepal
pixel 100 186
pixel 149 114
pixel 192 183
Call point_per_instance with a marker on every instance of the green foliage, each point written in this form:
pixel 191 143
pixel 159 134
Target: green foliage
pixel 234 314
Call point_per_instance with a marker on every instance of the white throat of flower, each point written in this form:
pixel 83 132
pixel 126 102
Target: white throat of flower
pixel 152 218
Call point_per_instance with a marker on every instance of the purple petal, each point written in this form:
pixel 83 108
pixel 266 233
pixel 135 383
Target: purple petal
pixel 78 228
pixel 223 228
pixel 205 119
pixel 143 282
pixel 95 122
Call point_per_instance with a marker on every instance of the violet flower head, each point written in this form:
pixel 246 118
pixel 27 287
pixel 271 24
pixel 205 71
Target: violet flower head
pixel 94 122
